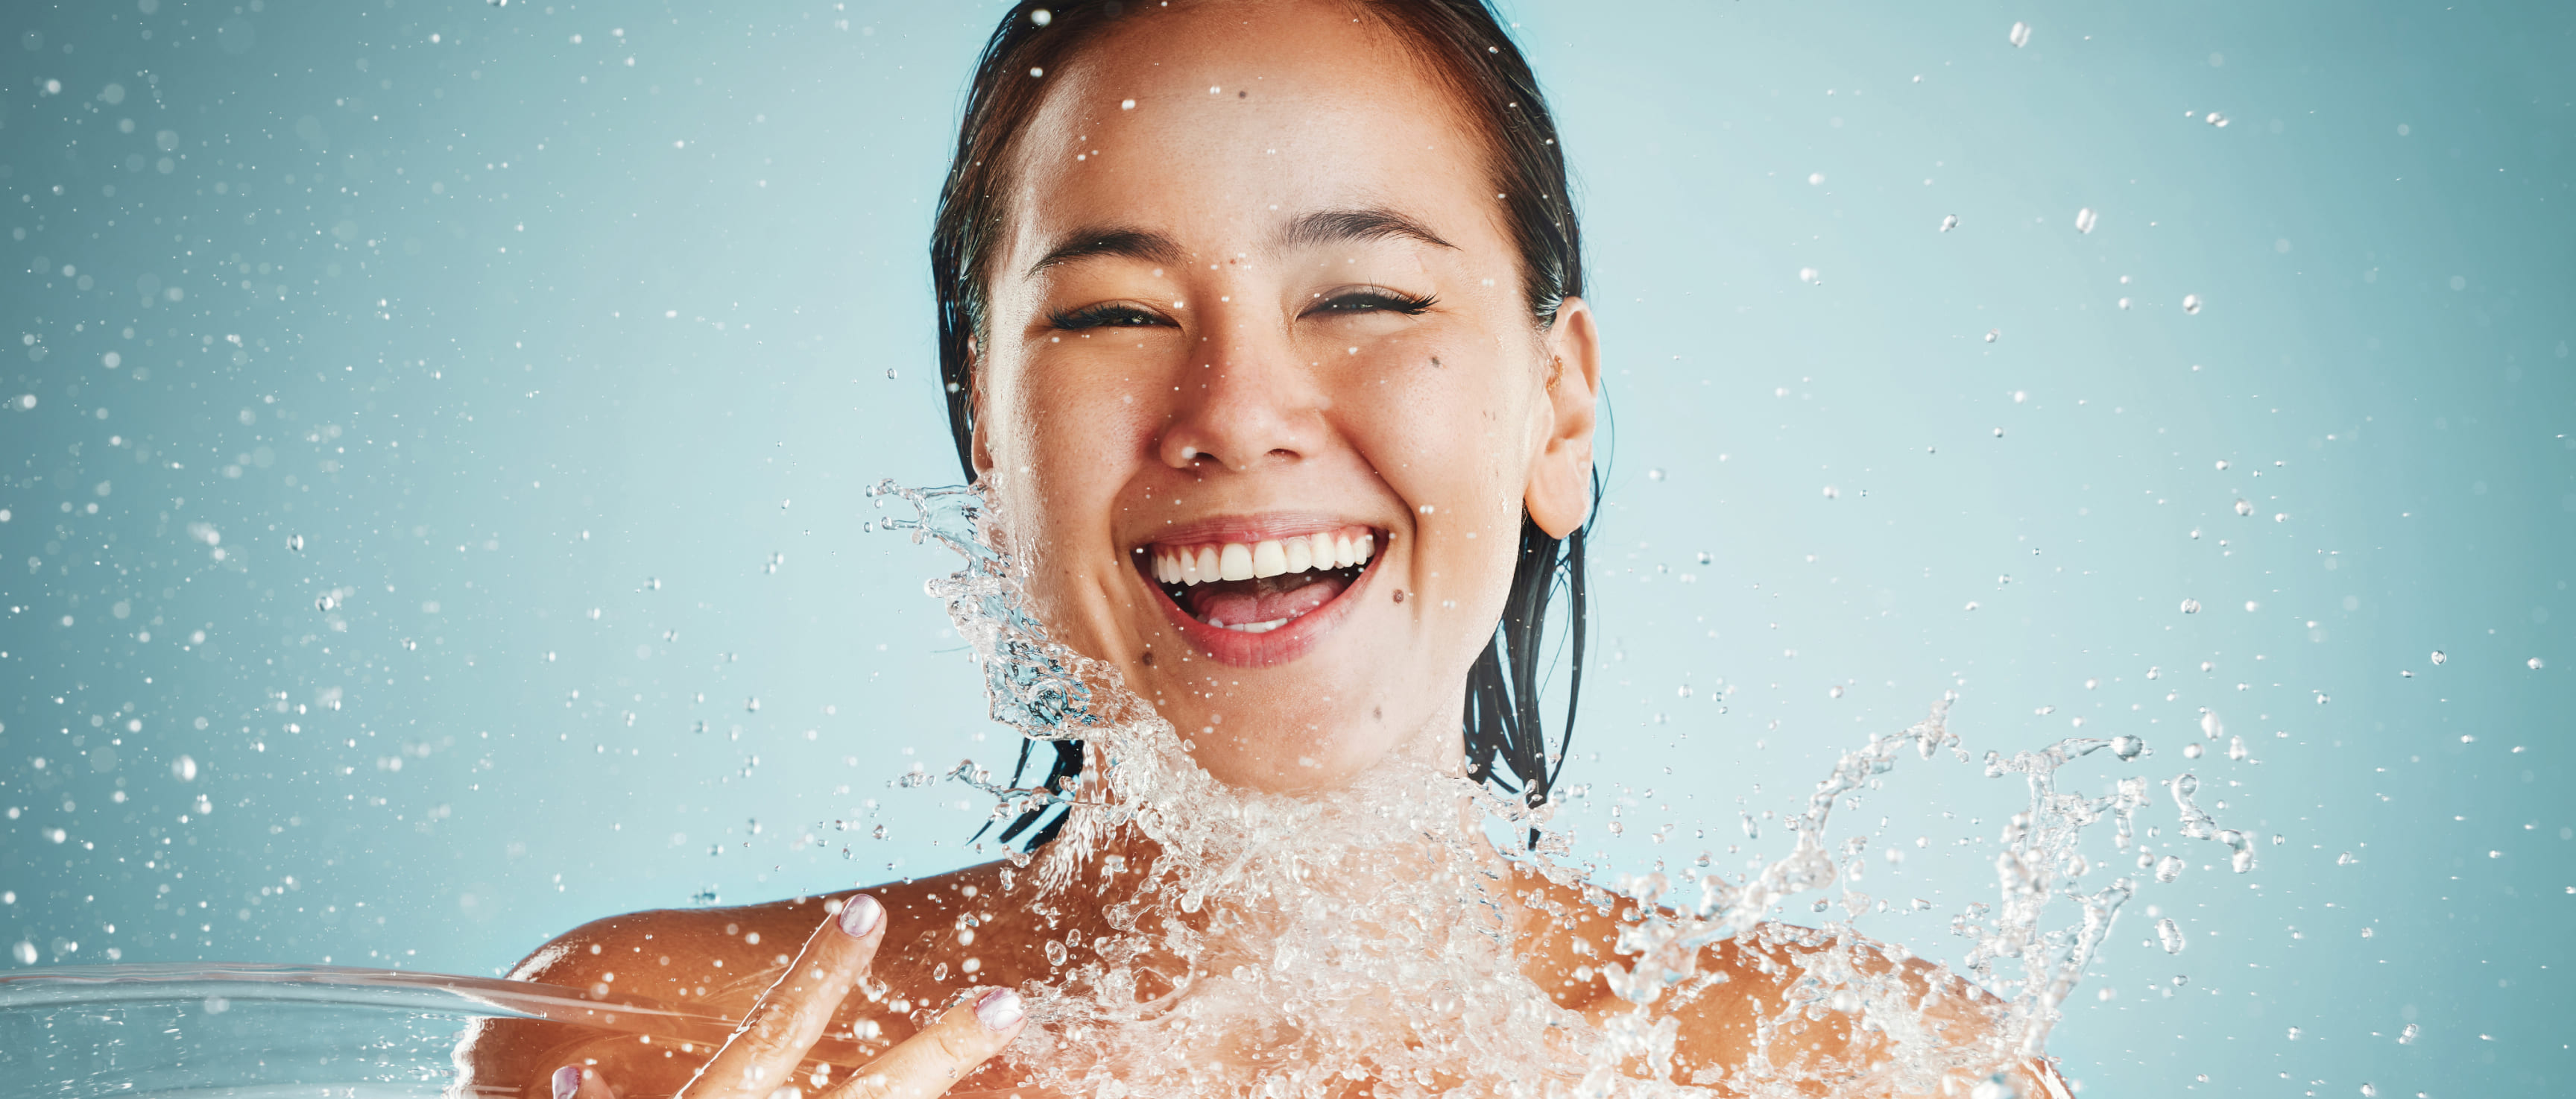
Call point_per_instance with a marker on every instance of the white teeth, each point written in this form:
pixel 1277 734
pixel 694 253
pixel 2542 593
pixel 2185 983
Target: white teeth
pixel 1258 560
pixel 1258 627
pixel 1268 559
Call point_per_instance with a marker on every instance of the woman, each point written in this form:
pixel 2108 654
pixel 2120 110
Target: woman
pixel 1263 333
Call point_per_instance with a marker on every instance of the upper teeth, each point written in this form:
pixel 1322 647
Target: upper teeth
pixel 1253 560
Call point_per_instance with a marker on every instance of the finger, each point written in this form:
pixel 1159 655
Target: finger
pixel 787 1019
pixel 926 1064
pixel 577 1082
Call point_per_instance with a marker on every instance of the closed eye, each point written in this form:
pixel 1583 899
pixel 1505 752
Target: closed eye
pixel 1369 299
pixel 1107 314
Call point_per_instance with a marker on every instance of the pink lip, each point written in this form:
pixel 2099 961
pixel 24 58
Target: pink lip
pixel 1288 642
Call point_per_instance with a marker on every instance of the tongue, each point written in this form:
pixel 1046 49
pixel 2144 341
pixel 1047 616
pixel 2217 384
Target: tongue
pixel 1245 602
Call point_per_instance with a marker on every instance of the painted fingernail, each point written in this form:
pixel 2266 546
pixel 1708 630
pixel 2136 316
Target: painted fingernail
pixel 999 1010
pixel 567 1081
pixel 861 914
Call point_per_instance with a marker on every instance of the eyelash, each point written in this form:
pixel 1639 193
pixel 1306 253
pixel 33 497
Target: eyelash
pixel 1121 315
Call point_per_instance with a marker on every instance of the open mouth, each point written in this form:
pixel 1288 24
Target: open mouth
pixel 1259 586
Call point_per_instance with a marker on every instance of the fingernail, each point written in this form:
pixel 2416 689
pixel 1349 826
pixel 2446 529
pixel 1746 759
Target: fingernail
pixel 861 914
pixel 567 1081
pixel 999 1010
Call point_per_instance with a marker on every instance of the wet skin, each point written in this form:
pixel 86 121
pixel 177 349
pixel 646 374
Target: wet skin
pixel 1285 305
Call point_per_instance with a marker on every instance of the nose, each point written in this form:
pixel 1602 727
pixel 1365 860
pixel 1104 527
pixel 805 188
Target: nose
pixel 1245 404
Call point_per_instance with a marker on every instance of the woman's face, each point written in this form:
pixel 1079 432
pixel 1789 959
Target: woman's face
pixel 1260 394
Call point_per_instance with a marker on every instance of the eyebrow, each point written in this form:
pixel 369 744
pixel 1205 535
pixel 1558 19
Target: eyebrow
pixel 1130 243
pixel 1355 225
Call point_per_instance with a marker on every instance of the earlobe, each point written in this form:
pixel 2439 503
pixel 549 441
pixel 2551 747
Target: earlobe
pixel 1559 494
pixel 979 447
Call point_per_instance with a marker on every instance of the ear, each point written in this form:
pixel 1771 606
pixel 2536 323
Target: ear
pixel 1559 495
pixel 979 442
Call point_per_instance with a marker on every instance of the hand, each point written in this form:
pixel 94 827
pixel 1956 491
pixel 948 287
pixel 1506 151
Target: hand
pixel 763 1053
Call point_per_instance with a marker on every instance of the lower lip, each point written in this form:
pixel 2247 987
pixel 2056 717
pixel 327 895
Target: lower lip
pixel 1279 646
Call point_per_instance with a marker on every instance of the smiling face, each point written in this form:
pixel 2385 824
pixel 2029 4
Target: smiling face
pixel 1259 393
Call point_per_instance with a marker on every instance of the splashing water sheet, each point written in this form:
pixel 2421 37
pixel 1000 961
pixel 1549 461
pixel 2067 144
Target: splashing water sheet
pixel 1369 935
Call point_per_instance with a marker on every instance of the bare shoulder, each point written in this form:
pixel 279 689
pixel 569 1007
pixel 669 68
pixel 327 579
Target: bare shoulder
pixel 716 961
pixel 1779 1000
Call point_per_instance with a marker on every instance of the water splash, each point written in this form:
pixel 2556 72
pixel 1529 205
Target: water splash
pixel 1269 946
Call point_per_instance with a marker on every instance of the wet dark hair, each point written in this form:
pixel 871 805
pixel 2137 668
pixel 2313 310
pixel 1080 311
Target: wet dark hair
pixel 1462 43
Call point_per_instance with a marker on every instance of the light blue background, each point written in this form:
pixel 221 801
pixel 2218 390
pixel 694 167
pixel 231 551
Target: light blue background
pixel 549 350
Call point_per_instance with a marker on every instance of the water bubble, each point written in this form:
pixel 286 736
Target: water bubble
pixel 2127 747
pixel 295 542
pixel 185 767
pixel 2191 751
pixel 1949 222
pixel 2181 980
pixel 2244 507
pixel 2210 726
pixel 2170 934
pixel 1993 334
pixel 2168 868
pixel 1055 953
pixel 2407 1036
pixel 2236 748
pixel 2191 303
pixel 890 373
pixel 2020 34
pixel 2191 606
pixel 2084 220
pixel 2440 657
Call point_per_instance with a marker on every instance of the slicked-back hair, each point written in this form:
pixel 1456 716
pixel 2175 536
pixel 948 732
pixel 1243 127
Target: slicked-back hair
pixel 1463 44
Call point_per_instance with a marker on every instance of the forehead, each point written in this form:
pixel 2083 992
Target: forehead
pixel 1214 123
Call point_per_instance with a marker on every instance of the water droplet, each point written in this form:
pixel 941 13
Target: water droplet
pixel 2236 748
pixel 25 952
pixel 751 705
pixel 2191 303
pixel 1809 276
pixel 2369 1092
pixel 1041 17
pixel 889 373
pixel 2440 657
pixel 295 542
pixel 2168 868
pixel 2251 606
pixel 1835 691
pixel 185 767
pixel 1832 493
pixel 1655 474
pixel 2222 463
pixel 2244 507
pixel 1704 557
pixel 2181 980
pixel 2294 1034
pixel 2170 934
pixel 2191 751
pixel 2210 726
pixel 1949 222
pixel 1993 334
pixel 2127 747
pixel 1055 953
pixel 2020 35
pixel 2084 220
pixel 1816 179
pixel 2533 663
pixel 2216 119
pixel 2407 1036
pixel 879 832
pixel 2345 859
pixel 2191 606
